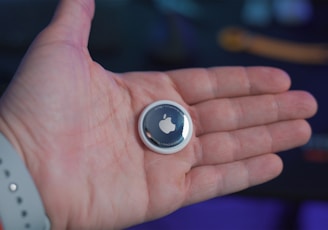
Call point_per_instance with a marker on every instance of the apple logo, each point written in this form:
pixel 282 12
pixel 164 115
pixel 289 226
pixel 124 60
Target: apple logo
pixel 166 125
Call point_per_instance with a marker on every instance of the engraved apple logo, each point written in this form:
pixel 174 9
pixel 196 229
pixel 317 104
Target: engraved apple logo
pixel 166 125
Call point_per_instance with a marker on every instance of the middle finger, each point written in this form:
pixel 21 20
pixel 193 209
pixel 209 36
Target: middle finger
pixel 236 113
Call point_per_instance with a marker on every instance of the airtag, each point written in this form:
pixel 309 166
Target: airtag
pixel 165 127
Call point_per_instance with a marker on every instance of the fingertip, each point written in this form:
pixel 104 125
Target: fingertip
pixel 312 104
pixel 300 132
pixel 309 104
pixel 306 131
pixel 264 168
pixel 296 104
pixel 273 79
pixel 72 20
pixel 282 77
pixel 74 6
pixel 278 167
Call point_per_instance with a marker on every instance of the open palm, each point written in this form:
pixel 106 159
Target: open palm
pixel 75 125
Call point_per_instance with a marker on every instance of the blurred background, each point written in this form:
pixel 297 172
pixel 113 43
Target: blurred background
pixel 134 35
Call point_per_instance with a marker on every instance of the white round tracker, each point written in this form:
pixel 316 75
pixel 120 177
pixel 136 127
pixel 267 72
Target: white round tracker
pixel 165 127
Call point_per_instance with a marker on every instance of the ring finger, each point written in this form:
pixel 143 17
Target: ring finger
pixel 224 147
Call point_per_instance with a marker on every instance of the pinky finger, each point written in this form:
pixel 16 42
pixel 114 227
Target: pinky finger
pixel 206 182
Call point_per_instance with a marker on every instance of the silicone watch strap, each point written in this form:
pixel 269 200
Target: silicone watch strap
pixel 20 203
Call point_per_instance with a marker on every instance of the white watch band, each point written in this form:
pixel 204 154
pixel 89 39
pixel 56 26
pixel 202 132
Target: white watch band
pixel 20 203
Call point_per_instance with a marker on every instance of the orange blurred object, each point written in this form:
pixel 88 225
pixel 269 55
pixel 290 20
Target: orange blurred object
pixel 239 40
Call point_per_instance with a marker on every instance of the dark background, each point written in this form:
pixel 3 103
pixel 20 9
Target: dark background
pixel 143 35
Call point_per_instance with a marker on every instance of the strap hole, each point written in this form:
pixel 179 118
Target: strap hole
pixel 7 173
pixel 19 200
pixel 24 213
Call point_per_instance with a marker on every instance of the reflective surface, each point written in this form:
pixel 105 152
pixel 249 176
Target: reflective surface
pixel 165 127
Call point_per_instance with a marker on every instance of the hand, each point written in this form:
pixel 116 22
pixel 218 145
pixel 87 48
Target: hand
pixel 75 125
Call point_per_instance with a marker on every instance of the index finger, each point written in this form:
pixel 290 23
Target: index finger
pixel 197 85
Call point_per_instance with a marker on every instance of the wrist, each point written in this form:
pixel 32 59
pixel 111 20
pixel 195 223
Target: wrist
pixel 10 136
pixel 18 194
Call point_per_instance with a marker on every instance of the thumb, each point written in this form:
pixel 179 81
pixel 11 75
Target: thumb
pixel 72 21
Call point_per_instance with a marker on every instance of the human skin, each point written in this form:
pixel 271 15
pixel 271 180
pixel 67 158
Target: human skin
pixel 74 124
